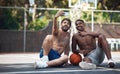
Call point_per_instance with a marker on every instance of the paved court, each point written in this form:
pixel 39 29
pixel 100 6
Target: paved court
pixel 22 63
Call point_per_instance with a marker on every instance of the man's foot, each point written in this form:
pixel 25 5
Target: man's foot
pixel 85 65
pixel 111 63
pixel 40 64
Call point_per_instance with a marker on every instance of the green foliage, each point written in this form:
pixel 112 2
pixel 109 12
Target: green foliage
pixel 115 16
pixel 8 21
pixel 14 18
pixel 86 16
pixel 113 4
pixel 106 17
pixel 38 24
pixel 101 17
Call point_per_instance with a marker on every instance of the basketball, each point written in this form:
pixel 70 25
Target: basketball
pixel 75 59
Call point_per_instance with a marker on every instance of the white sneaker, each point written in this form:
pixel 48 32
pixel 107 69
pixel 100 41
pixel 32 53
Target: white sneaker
pixel 40 64
pixel 111 63
pixel 44 58
pixel 35 65
pixel 85 65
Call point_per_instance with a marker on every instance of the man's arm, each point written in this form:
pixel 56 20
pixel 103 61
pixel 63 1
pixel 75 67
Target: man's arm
pixel 74 44
pixel 67 49
pixel 55 23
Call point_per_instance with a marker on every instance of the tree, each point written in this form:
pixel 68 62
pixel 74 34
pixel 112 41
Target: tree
pixel 11 18
pixel 109 4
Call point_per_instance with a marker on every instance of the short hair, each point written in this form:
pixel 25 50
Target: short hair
pixel 79 20
pixel 67 20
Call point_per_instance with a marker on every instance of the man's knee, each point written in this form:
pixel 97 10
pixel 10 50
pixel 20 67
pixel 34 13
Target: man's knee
pixel 64 58
pixel 101 37
pixel 86 59
pixel 47 41
pixel 48 37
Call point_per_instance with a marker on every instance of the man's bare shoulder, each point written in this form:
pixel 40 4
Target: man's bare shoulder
pixel 76 34
pixel 49 36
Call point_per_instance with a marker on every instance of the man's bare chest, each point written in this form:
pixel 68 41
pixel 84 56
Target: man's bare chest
pixel 63 39
pixel 84 39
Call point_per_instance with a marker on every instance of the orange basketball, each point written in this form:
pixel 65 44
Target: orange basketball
pixel 75 59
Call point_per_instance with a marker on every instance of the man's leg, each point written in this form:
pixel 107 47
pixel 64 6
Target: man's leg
pixel 102 42
pixel 47 45
pixel 56 62
pixel 95 57
pixel 59 61
pixel 87 64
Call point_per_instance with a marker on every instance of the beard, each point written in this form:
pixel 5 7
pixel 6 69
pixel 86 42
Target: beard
pixel 80 28
pixel 65 28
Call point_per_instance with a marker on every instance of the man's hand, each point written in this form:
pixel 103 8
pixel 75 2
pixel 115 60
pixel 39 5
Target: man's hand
pixel 59 13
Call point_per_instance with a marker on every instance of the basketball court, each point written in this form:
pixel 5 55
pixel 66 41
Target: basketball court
pixel 23 63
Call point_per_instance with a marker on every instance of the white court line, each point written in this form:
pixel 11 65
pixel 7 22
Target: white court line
pixel 60 71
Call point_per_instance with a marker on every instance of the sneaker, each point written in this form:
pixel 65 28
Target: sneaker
pixel 111 63
pixel 40 64
pixel 36 65
pixel 44 58
pixel 85 65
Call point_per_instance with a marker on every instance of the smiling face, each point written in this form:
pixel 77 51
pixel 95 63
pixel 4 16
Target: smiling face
pixel 80 26
pixel 65 25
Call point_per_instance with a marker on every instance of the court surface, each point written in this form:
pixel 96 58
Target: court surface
pixel 22 63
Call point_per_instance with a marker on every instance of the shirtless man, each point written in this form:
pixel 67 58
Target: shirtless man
pixel 54 45
pixel 93 52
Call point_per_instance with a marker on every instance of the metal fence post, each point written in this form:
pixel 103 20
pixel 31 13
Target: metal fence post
pixel 25 23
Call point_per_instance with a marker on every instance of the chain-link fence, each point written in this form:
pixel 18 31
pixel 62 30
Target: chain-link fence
pixel 20 25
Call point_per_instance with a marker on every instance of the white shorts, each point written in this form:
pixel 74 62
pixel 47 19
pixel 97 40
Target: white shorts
pixel 97 56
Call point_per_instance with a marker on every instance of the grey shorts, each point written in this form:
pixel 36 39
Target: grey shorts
pixel 97 56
